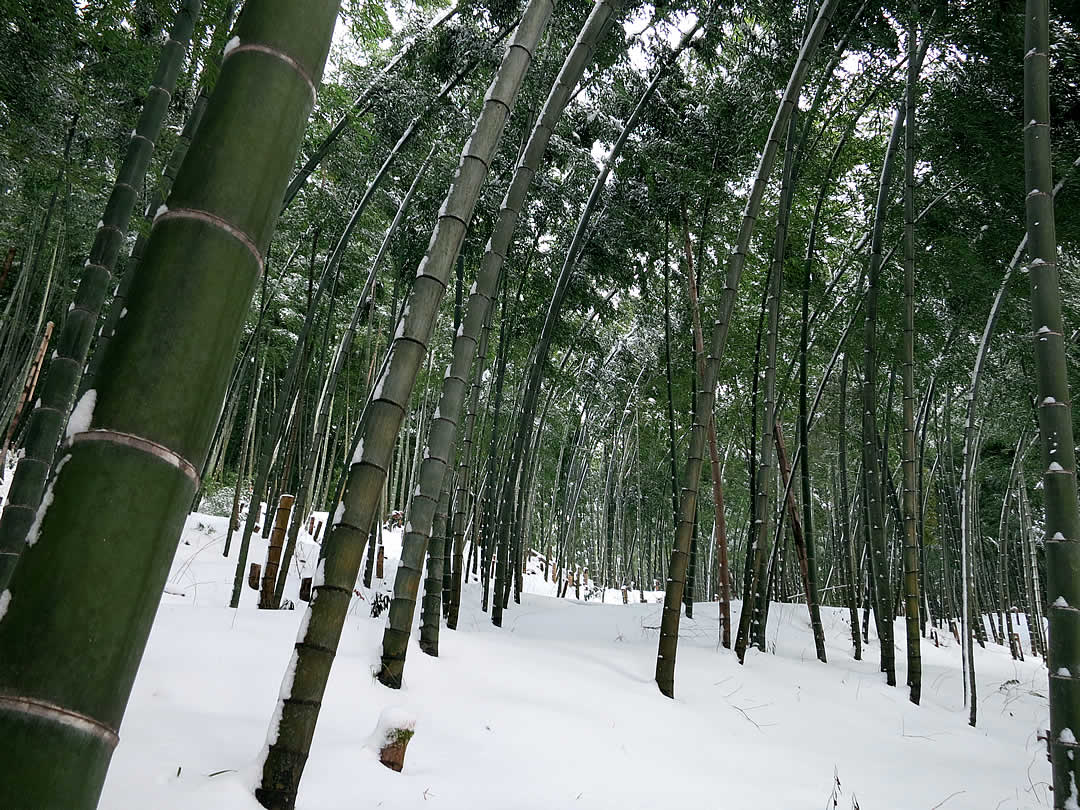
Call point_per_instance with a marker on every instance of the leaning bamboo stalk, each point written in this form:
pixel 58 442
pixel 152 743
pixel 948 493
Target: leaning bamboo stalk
pixel 910 533
pixel 360 103
pixel 67 666
pixel 720 528
pixel 305 683
pixel 752 621
pixel 329 270
pixel 47 420
pixel 440 441
pixel 1062 521
pixel 465 473
pixel 551 319
pixel 363 303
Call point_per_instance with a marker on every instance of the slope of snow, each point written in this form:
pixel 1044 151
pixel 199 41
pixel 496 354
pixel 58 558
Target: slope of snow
pixel 558 709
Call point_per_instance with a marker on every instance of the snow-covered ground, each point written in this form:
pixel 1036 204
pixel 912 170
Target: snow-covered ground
pixel 558 710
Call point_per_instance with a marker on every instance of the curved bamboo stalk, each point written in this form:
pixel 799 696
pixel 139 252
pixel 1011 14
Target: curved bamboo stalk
pixel 67 666
pixel 1062 523
pixel 908 502
pixel 340 358
pixel 295 363
pixel 753 617
pixel 359 105
pixel 532 388
pixel 293 727
pixel 875 518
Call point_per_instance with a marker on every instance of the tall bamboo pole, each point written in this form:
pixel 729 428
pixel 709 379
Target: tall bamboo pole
pixel 871 457
pixel 129 472
pixel 1062 524
pixel 908 501
pixel 49 416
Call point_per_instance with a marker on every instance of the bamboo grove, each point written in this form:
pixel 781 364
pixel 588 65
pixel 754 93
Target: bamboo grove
pixel 681 302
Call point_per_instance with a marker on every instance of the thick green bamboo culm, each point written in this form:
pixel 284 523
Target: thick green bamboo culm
pixel 1062 526
pixel 58 389
pixel 443 433
pixel 129 472
pixel 669 628
pixel 431 612
pixel 305 682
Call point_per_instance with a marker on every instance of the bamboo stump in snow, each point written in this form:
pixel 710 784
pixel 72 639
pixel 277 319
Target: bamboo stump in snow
pixel 392 736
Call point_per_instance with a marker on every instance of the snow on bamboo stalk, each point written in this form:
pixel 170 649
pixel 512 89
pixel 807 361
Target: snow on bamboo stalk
pixel 669 630
pixel 448 413
pixel 129 471
pixel 1062 523
pixel 47 420
pixel 293 726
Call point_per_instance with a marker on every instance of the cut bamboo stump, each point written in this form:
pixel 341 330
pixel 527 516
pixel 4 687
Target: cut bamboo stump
pixel 392 736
